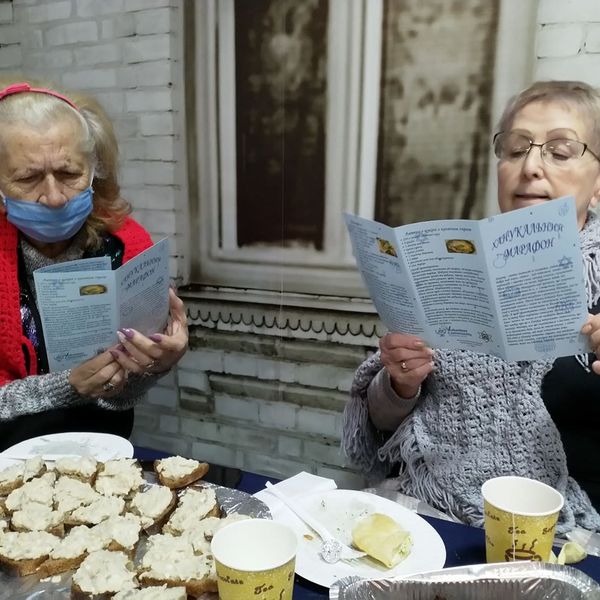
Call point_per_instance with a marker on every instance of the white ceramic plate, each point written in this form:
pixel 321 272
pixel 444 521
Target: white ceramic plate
pixel 102 446
pixel 339 510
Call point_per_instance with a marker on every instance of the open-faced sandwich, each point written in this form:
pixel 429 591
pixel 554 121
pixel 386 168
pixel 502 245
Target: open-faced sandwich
pixel 121 538
pixel 176 472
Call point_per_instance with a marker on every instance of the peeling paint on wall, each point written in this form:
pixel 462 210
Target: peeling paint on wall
pixel 436 91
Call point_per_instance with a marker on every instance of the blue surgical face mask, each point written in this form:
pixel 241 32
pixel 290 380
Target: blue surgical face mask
pixel 46 224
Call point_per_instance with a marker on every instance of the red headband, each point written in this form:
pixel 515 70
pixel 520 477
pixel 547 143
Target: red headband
pixel 17 88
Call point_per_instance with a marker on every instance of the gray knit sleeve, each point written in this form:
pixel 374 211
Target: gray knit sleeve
pixel 361 440
pixel 37 393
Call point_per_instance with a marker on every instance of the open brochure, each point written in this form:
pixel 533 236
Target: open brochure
pixel 510 285
pixel 83 302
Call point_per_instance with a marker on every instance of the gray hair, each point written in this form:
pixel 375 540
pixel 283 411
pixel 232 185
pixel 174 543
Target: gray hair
pixel 38 111
pixel 575 95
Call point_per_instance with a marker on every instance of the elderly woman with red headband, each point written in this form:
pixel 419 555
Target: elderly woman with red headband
pixel 60 202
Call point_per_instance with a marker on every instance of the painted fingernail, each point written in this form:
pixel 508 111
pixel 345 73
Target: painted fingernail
pixel 129 333
pixel 114 353
pixel 121 337
pixel 121 348
pixel 155 337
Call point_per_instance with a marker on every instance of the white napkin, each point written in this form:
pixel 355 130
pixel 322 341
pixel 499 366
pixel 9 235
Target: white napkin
pixel 297 486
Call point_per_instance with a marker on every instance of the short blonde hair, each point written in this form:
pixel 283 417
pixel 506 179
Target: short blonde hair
pixel 576 95
pixel 98 144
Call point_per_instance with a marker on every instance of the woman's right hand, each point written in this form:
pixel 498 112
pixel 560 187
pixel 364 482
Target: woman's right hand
pixel 99 377
pixel 408 360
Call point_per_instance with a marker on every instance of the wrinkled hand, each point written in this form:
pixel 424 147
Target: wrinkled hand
pixel 99 377
pixel 408 360
pixel 592 329
pixel 158 352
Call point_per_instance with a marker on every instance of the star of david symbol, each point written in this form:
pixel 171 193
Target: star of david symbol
pixel 565 262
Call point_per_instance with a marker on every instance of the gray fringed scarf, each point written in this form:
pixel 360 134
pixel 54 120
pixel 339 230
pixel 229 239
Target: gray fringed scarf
pixel 479 417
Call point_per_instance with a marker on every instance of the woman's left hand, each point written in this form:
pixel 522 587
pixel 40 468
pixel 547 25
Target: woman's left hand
pixel 157 352
pixel 592 329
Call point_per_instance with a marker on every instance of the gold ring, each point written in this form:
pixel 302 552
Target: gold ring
pixel 151 365
pixel 108 386
pixel 403 366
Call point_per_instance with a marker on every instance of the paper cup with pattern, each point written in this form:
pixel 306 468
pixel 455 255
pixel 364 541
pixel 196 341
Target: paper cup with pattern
pixel 520 517
pixel 255 558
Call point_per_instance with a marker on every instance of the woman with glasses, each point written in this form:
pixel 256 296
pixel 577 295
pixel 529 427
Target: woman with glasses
pixel 438 423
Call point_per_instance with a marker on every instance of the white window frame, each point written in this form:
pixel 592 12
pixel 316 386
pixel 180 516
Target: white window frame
pixel 351 132
pixel 352 114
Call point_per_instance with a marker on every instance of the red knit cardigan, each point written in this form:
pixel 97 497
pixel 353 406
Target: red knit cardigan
pixel 12 341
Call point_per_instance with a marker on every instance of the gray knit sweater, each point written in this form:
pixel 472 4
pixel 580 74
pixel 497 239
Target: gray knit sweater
pixel 478 417
pixel 37 393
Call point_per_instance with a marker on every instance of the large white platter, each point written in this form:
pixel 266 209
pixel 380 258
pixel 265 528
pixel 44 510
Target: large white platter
pixel 102 446
pixel 339 510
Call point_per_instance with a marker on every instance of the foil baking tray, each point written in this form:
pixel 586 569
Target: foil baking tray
pixel 503 581
pixel 59 587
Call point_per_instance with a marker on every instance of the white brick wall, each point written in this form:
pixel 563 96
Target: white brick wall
pixel 153 73
pixel 144 48
pixel 57 60
pixel 157 124
pixel 585 67
pixel 278 415
pixel 72 33
pixel 148 101
pixel 152 21
pixel 89 79
pixel 560 40
pixel 6 12
pixel 592 39
pixel 9 35
pixel 568 40
pixel 46 13
pixel 92 8
pixel 134 5
pixel 568 11
pixel 10 57
pixel 98 54
pixel 117 27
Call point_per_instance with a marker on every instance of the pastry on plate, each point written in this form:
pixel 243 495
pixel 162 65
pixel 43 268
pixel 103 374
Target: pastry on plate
pixel 382 538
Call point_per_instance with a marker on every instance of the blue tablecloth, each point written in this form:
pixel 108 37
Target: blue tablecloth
pixel 464 545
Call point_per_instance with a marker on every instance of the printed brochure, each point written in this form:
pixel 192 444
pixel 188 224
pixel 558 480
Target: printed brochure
pixel 511 285
pixel 83 302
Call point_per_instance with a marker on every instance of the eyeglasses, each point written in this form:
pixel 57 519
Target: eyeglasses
pixel 561 152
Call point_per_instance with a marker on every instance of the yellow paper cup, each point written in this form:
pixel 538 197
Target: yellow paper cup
pixel 520 517
pixel 255 558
